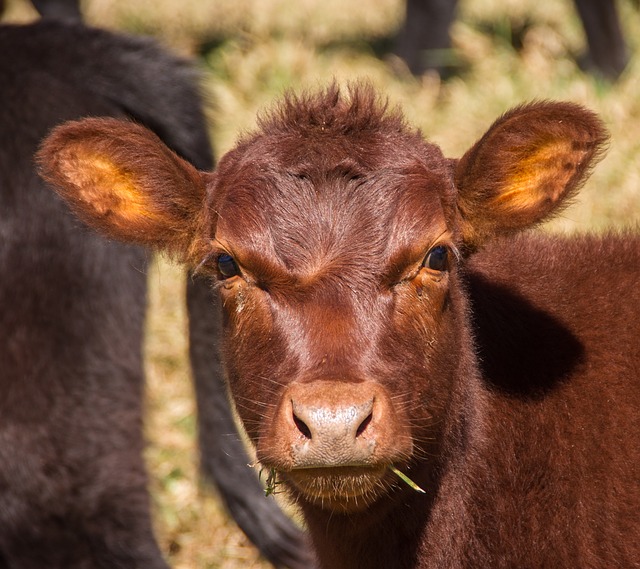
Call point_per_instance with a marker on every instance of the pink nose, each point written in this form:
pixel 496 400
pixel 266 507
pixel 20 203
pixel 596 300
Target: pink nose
pixel 331 423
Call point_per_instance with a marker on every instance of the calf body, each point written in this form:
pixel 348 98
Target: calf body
pixel 383 315
pixel 73 488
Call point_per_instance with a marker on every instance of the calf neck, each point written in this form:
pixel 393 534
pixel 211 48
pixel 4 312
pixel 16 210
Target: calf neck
pixel 434 387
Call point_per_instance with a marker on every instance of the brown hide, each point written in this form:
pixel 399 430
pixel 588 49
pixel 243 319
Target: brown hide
pixel 382 312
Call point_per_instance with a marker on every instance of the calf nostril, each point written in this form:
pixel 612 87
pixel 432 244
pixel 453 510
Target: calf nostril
pixel 302 426
pixel 362 427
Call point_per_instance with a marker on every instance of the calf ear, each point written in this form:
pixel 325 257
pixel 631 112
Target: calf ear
pixel 525 168
pixel 121 179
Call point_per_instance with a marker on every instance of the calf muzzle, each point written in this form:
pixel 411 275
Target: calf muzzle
pixel 337 424
pixel 335 440
pixel 334 434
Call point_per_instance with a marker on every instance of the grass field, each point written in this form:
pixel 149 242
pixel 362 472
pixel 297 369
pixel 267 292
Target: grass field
pixel 249 51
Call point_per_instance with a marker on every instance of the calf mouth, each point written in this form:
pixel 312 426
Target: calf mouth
pixel 340 488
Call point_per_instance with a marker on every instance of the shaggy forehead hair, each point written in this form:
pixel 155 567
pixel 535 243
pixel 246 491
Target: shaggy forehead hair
pixel 354 110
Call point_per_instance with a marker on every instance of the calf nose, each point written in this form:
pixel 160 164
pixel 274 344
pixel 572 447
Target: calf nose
pixel 336 425
pixel 330 423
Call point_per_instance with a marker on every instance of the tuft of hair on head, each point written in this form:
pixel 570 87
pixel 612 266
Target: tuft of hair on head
pixel 355 109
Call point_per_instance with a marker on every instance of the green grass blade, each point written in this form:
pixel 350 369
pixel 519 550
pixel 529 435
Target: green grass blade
pixel 407 480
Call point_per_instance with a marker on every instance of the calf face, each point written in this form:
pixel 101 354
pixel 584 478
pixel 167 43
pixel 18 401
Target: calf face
pixel 335 236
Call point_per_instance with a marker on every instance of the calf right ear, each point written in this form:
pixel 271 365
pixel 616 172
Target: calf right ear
pixel 121 179
pixel 526 168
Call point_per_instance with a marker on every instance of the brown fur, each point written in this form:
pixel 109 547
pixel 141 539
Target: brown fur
pixel 502 378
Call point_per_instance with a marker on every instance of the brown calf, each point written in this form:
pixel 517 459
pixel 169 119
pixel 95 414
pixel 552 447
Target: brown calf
pixel 382 313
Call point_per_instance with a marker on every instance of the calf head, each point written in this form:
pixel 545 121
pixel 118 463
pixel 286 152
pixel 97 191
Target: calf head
pixel 335 235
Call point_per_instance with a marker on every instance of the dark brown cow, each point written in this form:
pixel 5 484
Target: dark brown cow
pixel 72 481
pixel 383 313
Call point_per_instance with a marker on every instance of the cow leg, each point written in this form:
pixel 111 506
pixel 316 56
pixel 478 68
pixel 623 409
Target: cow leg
pixel 424 38
pixel 68 10
pixel 607 49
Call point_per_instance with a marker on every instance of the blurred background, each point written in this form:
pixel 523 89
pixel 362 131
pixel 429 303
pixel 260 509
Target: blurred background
pixel 503 52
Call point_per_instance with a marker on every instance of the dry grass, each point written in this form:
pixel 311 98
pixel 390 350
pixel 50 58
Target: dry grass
pixel 258 48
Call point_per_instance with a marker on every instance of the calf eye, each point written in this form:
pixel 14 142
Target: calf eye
pixel 227 266
pixel 437 259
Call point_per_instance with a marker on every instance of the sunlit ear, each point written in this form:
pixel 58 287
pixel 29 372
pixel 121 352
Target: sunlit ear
pixel 121 179
pixel 525 168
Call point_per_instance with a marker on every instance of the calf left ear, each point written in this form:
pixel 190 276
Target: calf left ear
pixel 525 168
pixel 121 179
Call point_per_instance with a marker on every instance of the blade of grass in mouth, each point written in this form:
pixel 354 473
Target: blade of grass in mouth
pixel 406 480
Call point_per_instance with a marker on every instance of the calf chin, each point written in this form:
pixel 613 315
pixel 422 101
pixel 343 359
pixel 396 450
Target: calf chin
pixel 334 441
